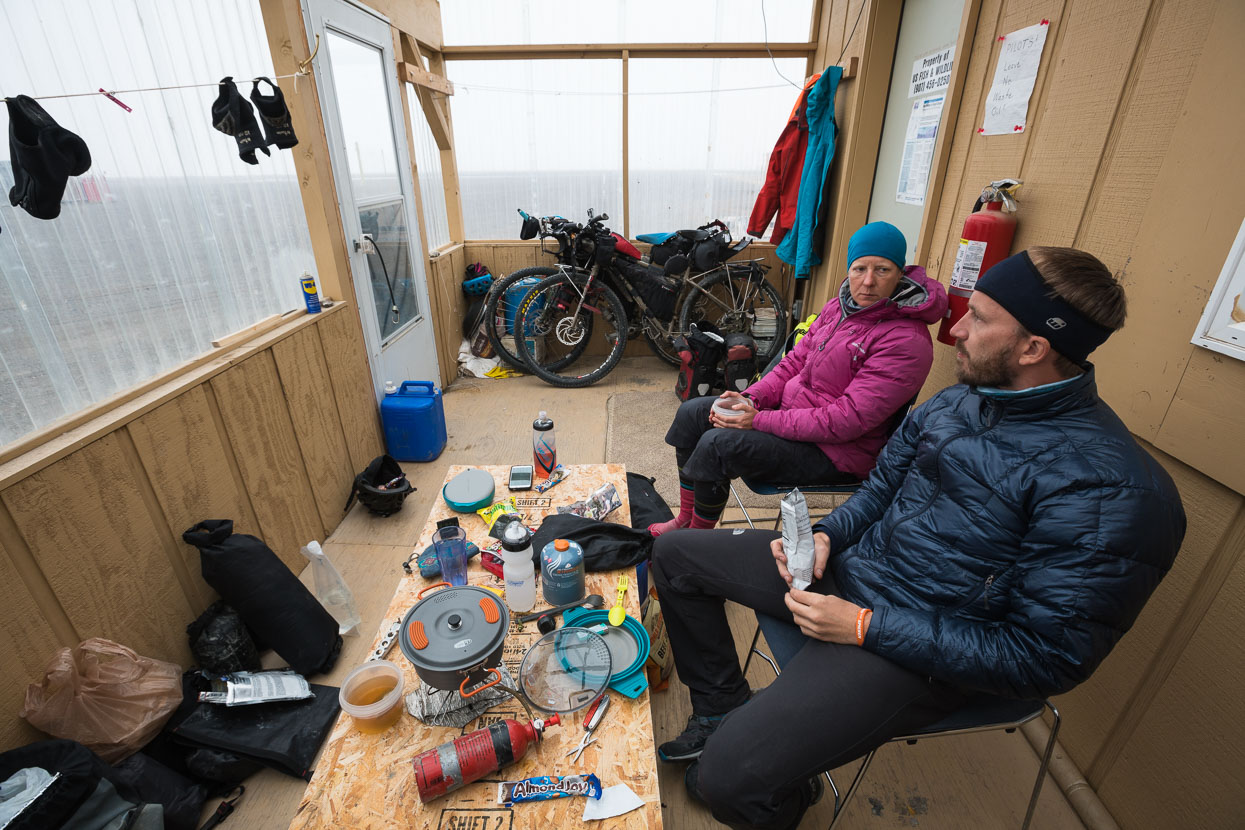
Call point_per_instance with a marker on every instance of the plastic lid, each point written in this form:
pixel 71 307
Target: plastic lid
pixel 516 537
pixel 543 423
pixel 565 670
pixel 468 491
pixel 561 544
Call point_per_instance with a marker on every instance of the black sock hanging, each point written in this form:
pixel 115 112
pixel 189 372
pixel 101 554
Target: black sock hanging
pixel 274 114
pixel 232 115
pixel 44 155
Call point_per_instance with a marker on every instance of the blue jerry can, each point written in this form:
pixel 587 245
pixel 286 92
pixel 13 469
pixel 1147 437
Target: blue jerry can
pixel 414 420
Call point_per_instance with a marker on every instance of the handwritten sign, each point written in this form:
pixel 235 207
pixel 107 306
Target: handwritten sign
pixel 1007 105
pixel 932 72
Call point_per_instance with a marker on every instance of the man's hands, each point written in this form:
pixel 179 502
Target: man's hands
pixel 744 412
pixel 821 555
pixel 821 616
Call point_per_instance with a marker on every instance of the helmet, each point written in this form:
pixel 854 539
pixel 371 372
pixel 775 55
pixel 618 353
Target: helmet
pixel 477 281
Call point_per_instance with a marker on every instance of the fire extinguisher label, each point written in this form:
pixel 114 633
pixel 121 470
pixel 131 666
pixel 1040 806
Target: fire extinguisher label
pixel 968 264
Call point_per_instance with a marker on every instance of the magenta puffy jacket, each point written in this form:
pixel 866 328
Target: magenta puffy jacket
pixel 842 382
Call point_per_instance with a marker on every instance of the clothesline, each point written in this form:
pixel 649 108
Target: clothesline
pixel 155 88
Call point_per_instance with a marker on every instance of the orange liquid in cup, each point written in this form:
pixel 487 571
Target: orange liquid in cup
pixel 370 691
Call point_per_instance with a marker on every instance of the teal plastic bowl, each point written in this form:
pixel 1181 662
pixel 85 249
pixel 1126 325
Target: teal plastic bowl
pixel 626 680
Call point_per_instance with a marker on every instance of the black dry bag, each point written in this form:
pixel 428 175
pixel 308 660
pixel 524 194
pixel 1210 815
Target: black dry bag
pixel 700 353
pixel 277 608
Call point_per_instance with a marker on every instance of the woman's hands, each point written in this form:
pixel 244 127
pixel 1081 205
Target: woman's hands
pixel 744 409
pixel 821 616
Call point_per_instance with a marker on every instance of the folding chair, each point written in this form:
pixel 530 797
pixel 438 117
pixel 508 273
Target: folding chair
pixel 981 713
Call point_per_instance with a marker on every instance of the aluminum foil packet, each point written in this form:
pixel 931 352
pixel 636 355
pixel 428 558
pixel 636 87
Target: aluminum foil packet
pixel 246 688
pixel 797 539
pixel 545 787
pixel 600 504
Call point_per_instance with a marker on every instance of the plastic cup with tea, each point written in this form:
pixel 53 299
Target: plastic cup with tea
pixel 372 695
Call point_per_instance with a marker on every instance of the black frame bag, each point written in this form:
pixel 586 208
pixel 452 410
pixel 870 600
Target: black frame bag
pixel 277 608
pixel 382 470
pixel 700 351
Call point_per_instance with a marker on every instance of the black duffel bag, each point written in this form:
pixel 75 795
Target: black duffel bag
pixel 277 608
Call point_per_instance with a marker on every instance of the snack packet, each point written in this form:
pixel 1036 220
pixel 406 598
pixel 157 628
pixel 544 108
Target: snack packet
pixel 245 688
pixel 546 787
pixel 600 504
pixel 489 514
pixel 797 539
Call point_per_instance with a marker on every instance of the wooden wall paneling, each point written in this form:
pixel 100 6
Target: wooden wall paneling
pixel 1205 423
pixel 1096 710
pixel 193 474
pixel 1182 766
pixel 341 343
pixel 94 539
pixel 1151 219
pixel 420 18
pixel 260 429
pixel 445 280
pixel 30 642
pixel 317 426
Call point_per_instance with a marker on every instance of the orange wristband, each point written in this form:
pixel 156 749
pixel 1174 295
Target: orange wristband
pixel 860 626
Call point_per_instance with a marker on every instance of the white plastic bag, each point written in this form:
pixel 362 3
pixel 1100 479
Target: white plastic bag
pixel 797 539
pixel 332 591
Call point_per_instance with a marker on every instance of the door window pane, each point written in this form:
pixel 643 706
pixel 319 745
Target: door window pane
pixel 544 136
pixel 393 282
pixel 362 102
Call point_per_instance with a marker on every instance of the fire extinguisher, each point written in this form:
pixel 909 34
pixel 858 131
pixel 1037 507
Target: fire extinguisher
pixel 985 240
pixel 456 763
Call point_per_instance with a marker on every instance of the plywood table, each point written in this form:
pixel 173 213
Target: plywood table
pixel 367 782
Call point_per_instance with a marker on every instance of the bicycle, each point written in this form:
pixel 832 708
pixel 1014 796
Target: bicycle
pixel 604 287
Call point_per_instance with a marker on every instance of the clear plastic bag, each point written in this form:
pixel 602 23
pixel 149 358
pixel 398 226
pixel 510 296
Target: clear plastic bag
pixel 332 591
pixel 105 696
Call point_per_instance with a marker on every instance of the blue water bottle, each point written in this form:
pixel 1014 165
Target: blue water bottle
pixel 310 295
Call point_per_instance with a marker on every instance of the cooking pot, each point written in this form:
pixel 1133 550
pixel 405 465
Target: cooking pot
pixel 454 638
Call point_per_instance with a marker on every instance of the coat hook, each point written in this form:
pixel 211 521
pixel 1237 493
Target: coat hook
pixel 304 67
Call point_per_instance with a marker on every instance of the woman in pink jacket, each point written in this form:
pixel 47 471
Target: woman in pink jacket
pixel 821 416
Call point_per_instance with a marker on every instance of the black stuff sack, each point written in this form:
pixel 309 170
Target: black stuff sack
pixel 285 735
pixel 700 354
pixel 381 487
pixel 647 507
pixel 741 362
pixel 220 642
pixel 607 546
pixel 277 608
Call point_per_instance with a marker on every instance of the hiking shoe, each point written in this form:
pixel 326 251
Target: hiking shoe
pixel 691 743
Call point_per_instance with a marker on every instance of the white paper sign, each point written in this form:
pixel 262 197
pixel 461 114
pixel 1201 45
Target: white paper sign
pixel 931 73
pixel 1007 105
pixel 918 150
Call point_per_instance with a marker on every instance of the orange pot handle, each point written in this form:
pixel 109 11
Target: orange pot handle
pixel 481 688
pixel 420 595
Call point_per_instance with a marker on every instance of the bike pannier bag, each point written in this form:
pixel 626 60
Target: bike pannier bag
pixel 701 352
pixel 741 362
pixel 279 610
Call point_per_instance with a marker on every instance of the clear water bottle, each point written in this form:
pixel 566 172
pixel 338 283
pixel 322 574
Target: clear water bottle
pixel 544 446
pixel 518 569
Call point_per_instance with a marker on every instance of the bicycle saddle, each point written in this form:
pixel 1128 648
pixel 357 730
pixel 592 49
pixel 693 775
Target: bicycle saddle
pixel 695 235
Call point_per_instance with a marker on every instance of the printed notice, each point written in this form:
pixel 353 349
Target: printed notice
pixel 932 72
pixel 918 150
pixel 1007 105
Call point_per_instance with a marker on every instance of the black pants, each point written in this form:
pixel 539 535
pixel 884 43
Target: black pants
pixel 724 454
pixel 831 704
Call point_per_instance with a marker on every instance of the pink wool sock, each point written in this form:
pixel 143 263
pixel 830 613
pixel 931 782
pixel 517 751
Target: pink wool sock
pixel 699 523
pixel 687 500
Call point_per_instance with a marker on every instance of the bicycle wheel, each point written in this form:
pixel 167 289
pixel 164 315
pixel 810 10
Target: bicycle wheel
pixel 738 298
pixel 582 335
pixel 500 308
pixel 662 346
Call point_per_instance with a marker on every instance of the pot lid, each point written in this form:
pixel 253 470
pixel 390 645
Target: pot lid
pixel 565 670
pixel 454 629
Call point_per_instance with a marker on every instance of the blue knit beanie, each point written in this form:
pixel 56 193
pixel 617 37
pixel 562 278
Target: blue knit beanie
pixel 878 239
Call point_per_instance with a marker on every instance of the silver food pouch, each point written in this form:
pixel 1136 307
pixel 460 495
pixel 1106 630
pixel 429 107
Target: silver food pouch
pixel 797 539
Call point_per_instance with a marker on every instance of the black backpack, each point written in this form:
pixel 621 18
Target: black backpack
pixel 701 352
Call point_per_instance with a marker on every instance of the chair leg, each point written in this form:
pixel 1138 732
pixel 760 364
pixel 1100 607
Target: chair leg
pixel 743 510
pixel 1041 775
pixel 839 807
pixel 752 649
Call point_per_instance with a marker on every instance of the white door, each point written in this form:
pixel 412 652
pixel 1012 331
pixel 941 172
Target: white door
pixel 357 80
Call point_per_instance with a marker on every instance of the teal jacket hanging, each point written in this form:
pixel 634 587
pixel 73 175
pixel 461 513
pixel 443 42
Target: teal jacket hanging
pixel 802 244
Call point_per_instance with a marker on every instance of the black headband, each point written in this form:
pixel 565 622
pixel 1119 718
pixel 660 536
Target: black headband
pixel 1017 285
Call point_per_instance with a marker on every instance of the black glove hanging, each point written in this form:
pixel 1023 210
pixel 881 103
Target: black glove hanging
pixel 232 115
pixel 44 156
pixel 275 115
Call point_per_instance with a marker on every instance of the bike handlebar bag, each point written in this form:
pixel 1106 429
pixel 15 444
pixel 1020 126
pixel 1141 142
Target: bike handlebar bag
pixel 278 609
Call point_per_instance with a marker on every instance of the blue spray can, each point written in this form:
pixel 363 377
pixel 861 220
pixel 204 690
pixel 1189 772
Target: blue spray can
pixel 310 295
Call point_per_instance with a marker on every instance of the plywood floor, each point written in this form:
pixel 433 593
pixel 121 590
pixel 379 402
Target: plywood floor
pixel 962 782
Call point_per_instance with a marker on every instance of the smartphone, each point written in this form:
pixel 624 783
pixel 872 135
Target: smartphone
pixel 520 477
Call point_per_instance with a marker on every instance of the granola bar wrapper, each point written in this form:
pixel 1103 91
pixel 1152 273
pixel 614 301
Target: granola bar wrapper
pixel 546 787
pixel 797 539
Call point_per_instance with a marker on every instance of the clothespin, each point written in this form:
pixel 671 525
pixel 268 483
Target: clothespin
pixel 114 99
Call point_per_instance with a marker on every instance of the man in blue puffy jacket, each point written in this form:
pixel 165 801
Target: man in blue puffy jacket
pixel 1009 535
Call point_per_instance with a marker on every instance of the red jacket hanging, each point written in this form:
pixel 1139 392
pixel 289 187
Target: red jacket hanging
pixel 781 190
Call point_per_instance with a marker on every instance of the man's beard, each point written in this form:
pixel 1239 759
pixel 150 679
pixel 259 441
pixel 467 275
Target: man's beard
pixel 993 370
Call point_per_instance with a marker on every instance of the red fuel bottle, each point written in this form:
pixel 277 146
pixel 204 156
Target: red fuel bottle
pixel 457 763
